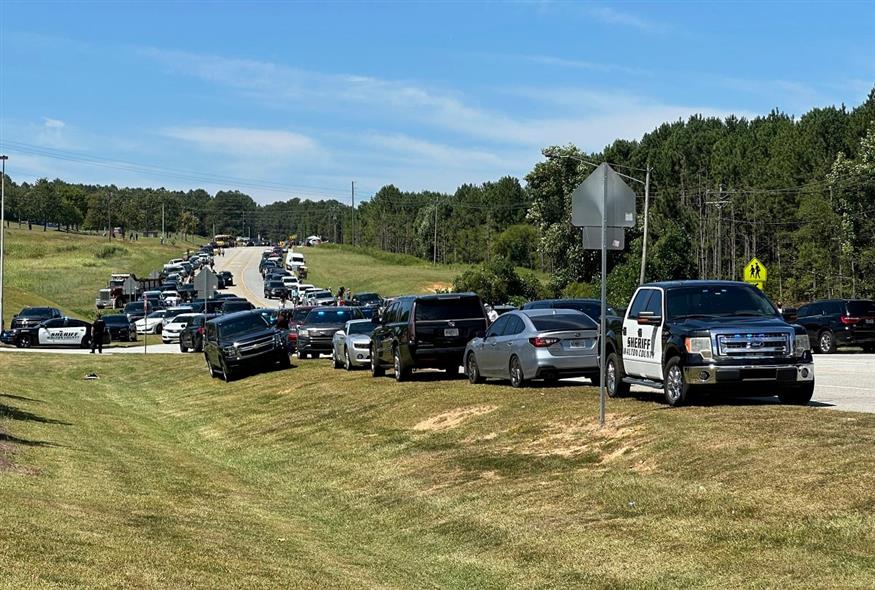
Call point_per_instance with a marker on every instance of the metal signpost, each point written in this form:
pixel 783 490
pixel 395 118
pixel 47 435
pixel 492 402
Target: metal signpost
pixel 603 205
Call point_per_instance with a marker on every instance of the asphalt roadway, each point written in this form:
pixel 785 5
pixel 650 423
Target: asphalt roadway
pixel 844 381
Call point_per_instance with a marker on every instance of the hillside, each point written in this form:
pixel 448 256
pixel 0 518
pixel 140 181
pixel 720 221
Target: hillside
pixel 66 269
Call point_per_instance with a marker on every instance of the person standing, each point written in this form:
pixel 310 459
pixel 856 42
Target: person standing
pixel 97 329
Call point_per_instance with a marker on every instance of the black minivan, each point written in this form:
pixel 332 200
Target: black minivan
pixel 839 322
pixel 426 331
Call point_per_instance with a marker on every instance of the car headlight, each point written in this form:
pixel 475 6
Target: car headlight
pixel 229 351
pixel 700 345
pixel 801 344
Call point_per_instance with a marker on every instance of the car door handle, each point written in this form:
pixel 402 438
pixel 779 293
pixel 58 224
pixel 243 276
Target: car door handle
pixel 624 330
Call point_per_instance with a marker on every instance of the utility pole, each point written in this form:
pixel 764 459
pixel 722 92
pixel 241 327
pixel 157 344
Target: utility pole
pixel 353 213
pixel 435 228
pixel 163 237
pixel 718 252
pixel 3 159
pixel 646 217
pixel 109 216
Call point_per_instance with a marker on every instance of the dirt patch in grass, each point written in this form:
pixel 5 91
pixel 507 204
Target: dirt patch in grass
pixel 435 287
pixel 453 418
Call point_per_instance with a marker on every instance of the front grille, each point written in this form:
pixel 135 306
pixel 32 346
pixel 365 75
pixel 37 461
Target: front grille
pixel 754 344
pixel 255 347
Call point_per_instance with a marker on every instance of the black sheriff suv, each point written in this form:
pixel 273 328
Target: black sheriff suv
pixel 685 337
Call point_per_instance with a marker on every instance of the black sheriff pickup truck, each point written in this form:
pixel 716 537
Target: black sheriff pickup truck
pixel 688 336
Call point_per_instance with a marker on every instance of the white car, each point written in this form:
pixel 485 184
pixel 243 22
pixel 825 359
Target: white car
pixel 152 323
pixel 351 346
pixel 172 312
pixel 171 298
pixel 290 282
pixel 170 333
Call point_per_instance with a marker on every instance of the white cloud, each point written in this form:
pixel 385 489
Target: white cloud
pixel 240 141
pixel 612 16
pixel 50 123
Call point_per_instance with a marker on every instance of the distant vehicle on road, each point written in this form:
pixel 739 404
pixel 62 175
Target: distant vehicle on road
pixel 547 344
pixel 227 278
pixel 426 331
pixel 835 323
pixel 351 345
pixel 239 340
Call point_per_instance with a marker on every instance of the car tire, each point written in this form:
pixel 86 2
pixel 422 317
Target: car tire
pixel 798 395
pixel 473 371
pixel 158 329
pixel 84 342
pixel 302 355
pixel 515 372
pixel 402 373
pixel 212 371
pixel 614 375
pixel 225 371
pixel 869 348
pixel 451 371
pixel 283 359
pixel 675 387
pixel 826 342
pixel 24 341
pixel 376 369
pixel 347 360
pixel 182 347
pixel 335 360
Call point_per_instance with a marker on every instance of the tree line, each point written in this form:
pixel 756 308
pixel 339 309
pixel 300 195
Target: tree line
pixel 798 193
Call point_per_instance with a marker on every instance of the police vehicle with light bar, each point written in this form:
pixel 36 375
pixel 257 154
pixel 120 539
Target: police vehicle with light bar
pixel 685 337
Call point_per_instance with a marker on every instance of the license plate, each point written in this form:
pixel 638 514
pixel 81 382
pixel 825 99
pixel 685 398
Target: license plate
pixel 573 344
pixel 451 332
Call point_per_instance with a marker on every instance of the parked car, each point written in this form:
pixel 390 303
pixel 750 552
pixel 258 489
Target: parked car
pixel 426 331
pixel 171 331
pixel 836 323
pixel 136 310
pixel 120 327
pixel 315 333
pixel 172 312
pixel 275 289
pixel 152 323
pixel 33 316
pixel 192 337
pixel 241 339
pixel 547 344
pixel 591 307
pixel 351 346
pixel 171 298
pixel 210 306
pixel 227 277
pixel 298 315
pixel 234 305
pixel 322 297
pixel 61 331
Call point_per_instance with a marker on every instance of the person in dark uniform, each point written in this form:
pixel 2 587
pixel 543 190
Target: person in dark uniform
pixel 97 329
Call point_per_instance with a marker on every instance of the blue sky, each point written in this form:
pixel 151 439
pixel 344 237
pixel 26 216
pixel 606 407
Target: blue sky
pixel 286 99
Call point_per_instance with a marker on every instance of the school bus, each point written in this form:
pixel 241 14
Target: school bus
pixel 224 240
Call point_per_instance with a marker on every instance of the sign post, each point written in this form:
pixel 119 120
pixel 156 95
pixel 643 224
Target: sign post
pixel 755 273
pixel 603 205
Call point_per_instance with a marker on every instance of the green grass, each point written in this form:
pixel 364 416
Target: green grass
pixel 367 269
pixel 157 476
pixel 67 270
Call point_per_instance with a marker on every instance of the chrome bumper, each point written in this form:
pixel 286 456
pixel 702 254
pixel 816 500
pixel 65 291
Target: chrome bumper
pixel 727 374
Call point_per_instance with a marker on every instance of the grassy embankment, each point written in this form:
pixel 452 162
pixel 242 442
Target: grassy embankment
pixel 157 476
pixel 67 270
pixel 368 269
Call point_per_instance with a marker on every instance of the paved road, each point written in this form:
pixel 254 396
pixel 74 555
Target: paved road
pixel 151 349
pixel 243 264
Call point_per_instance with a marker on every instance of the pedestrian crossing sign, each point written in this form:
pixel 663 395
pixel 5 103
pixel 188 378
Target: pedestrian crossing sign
pixel 755 272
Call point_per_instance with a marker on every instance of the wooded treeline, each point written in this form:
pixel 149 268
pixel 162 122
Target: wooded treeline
pixel 798 193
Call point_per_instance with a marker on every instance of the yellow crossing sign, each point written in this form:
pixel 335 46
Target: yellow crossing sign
pixel 755 272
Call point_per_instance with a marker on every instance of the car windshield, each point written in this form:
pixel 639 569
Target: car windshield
pixel 156 314
pixel 448 308
pixel 115 319
pixel 327 316
pixel 361 327
pixel 300 315
pixel 249 322
pixel 183 319
pixel 275 284
pixel 367 298
pixel 717 301
pixel 35 312
pixel 861 308
pixel 321 294
pixel 562 321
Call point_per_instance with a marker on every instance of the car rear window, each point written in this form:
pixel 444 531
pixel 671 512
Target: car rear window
pixel 450 308
pixel 115 319
pixel 861 308
pixel 562 321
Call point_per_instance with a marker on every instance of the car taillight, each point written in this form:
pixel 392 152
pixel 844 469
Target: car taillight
pixel 850 320
pixel 539 342
pixel 293 336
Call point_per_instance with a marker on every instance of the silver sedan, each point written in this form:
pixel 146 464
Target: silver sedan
pixel 351 346
pixel 544 344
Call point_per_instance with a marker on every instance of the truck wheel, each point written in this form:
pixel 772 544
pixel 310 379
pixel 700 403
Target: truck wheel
pixel 826 342
pixel 799 395
pixel 614 374
pixel 225 371
pixel 402 373
pixel 337 363
pixel 675 387
pixel 517 379
pixel 472 369
pixel 376 369
pixel 212 371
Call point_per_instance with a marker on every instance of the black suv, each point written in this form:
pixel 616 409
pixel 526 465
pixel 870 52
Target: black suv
pixel 839 322
pixel 241 339
pixel 33 316
pixel 275 289
pixel 426 331
pixel 227 278
pixel 235 304
pixel 316 332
